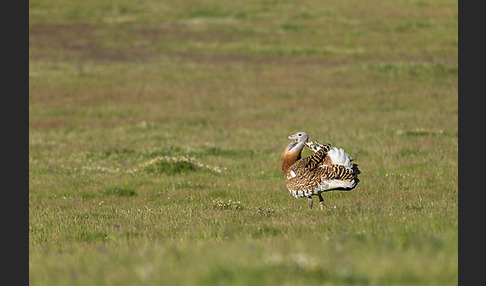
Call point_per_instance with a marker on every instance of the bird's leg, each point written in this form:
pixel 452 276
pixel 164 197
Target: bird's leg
pixel 310 202
pixel 321 202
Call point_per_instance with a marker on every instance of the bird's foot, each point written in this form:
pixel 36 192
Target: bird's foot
pixel 310 203
pixel 321 202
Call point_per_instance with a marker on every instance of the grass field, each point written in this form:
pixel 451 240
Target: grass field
pixel 156 129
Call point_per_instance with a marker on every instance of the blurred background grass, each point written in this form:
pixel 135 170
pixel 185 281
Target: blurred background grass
pixel 205 94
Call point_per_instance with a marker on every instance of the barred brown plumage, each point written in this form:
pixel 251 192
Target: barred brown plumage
pixel 329 168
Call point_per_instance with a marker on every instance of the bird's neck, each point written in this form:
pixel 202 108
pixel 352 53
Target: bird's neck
pixel 290 155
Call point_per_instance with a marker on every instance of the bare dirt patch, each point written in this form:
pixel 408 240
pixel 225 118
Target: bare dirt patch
pixel 81 42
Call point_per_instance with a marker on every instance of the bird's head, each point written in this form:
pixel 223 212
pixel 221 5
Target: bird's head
pixel 299 137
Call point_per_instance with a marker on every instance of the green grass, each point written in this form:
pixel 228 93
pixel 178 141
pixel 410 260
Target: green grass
pixel 155 135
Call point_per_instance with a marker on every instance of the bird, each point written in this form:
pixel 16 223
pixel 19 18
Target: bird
pixel 328 168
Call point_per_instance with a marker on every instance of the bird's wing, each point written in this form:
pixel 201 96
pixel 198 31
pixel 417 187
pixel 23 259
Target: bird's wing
pixel 315 146
pixel 320 166
pixel 320 157
pixel 304 178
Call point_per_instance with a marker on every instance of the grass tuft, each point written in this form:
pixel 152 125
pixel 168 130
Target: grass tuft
pixel 119 191
pixel 173 165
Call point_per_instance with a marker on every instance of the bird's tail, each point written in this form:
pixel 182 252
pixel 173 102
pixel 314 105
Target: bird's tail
pixel 356 171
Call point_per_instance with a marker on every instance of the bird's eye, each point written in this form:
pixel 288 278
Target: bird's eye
pixel 300 134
